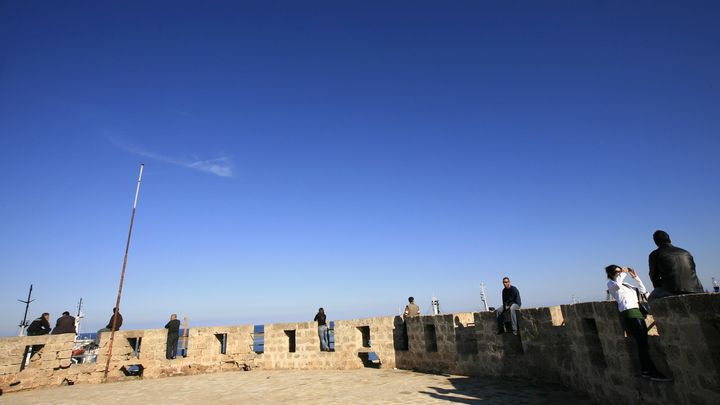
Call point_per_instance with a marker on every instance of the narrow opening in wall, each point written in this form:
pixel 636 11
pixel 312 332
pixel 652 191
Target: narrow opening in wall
pixel 222 339
pixel 133 370
pixel 331 335
pixel 30 352
pixel 370 359
pixel 364 336
pixel 400 335
pixel 430 338
pixel 184 342
pixel 592 341
pixel 135 345
pixel 259 339
pixel 291 340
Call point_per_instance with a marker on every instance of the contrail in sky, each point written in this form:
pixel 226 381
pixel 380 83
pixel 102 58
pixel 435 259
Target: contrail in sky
pixel 221 166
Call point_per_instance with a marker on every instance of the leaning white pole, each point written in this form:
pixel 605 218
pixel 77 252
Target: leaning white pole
pixel 122 277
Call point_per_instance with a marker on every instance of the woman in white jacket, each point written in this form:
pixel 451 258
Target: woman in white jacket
pixel 626 297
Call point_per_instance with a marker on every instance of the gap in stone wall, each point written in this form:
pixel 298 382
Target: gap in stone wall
pixel 430 338
pixel 592 340
pixel 135 343
pixel 364 336
pixel 222 339
pixel 291 340
pixel 29 352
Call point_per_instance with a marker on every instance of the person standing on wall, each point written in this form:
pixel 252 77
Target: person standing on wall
pixel 64 324
pixel 173 327
pixel 40 326
pixel 320 318
pixel 627 300
pixel 511 302
pixel 672 270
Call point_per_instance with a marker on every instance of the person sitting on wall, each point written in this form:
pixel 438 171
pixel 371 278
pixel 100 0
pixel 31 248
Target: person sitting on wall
pixel 173 327
pixel 322 330
pixel 64 324
pixel 39 326
pixel 511 302
pixel 109 326
pixel 634 321
pixel 411 309
pixel 672 270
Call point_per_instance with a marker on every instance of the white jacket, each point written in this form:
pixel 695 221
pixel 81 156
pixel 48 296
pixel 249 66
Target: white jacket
pixel 624 294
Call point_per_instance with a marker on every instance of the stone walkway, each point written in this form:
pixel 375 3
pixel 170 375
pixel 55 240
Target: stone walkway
pixel 365 386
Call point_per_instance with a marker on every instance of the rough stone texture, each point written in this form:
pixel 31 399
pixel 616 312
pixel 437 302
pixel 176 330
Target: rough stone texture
pixel 581 346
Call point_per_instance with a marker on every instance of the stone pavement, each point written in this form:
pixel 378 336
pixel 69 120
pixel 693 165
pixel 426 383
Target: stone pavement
pixel 367 386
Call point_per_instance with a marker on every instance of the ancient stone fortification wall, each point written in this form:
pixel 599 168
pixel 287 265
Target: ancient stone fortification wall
pixel 582 346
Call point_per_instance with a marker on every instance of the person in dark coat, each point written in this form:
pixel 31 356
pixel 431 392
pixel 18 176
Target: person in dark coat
pixel 109 326
pixel 511 303
pixel 672 270
pixel 64 324
pixel 173 327
pixel 39 326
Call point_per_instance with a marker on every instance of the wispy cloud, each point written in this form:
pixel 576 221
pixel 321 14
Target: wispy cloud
pixel 220 166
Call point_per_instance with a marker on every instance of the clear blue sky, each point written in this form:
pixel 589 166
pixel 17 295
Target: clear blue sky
pixel 348 155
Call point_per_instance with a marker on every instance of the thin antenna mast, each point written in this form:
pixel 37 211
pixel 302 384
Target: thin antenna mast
pixel 24 323
pixel 78 317
pixel 122 278
pixel 483 297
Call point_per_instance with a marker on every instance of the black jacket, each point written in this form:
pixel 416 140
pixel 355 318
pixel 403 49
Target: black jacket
pixel 673 269
pixel 39 326
pixel 64 324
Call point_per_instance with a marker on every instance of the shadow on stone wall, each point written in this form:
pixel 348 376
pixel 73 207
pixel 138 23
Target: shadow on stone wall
pixel 581 346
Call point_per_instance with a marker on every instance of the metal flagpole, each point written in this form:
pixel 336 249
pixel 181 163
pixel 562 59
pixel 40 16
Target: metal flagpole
pixel 122 277
pixel 24 324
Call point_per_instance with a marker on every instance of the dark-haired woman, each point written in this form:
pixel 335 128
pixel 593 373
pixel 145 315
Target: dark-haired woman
pixel 626 296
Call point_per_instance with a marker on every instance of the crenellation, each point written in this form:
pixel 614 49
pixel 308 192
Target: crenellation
pixel 582 346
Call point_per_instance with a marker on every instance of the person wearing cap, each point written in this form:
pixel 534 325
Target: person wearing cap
pixel 672 269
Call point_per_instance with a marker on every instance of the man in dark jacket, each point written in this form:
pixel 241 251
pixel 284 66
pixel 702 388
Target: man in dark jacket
pixel 512 303
pixel 173 327
pixel 64 324
pixel 109 326
pixel 672 270
pixel 40 326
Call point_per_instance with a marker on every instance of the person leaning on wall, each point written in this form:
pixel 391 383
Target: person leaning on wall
pixel 173 327
pixel 39 326
pixel 627 300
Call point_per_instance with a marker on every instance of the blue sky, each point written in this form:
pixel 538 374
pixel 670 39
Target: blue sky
pixel 348 155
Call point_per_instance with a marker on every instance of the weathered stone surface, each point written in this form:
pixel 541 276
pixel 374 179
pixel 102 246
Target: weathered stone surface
pixel 582 346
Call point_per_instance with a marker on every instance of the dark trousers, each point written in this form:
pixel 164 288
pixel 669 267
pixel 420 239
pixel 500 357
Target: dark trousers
pixel 172 341
pixel 638 330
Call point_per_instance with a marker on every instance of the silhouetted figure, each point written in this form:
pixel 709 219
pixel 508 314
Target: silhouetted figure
pixel 173 327
pixel 64 324
pixel 672 270
pixel 322 330
pixel 512 303
pixel 39 326
pixel 626 297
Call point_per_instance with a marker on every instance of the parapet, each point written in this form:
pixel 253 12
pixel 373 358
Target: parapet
pixel 582 346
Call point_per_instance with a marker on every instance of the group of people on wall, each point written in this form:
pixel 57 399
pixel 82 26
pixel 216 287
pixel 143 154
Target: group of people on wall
pixel 41 325
pixel 672 272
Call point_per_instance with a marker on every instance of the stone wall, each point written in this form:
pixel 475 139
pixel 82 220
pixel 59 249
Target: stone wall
pixel 581 346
